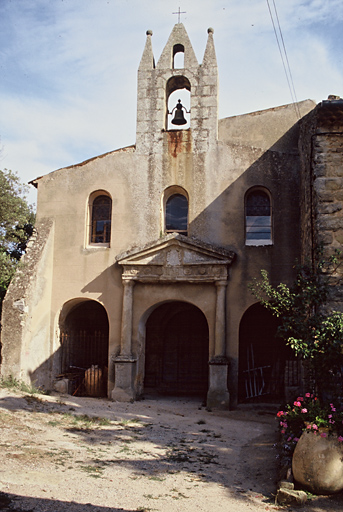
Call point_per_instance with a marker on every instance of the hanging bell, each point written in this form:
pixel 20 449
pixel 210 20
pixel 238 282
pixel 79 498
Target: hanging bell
pixel 179 118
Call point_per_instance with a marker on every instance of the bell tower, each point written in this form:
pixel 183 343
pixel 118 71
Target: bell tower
pixel 177 76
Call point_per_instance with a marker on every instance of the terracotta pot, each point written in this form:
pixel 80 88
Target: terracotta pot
pixel 317 463
pixel 93 381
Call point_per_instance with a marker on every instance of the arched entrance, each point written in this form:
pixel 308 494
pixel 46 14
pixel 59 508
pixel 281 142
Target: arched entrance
pixel 177 350
pixel 262 357
pixel 84 348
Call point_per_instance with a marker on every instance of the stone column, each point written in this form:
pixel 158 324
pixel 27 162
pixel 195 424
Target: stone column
pixel 218 396
pixel 126 321
pixel 220 349
pixel 125 364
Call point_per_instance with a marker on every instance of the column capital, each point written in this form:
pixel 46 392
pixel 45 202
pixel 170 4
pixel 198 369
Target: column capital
pixel 128 282
pixel 221 283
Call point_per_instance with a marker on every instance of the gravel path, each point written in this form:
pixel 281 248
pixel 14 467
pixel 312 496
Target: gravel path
pixel 63 453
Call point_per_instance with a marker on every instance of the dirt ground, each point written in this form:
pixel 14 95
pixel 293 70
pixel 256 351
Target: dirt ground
pixel 63 453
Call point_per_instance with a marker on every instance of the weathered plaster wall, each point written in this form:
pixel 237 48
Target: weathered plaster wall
pixel 275 128
pixel 26 342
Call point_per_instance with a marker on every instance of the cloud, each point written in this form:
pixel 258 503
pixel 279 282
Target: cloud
pixel 69 67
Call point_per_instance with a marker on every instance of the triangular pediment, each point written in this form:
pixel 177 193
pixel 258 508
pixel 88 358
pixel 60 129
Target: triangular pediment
pixel 176 250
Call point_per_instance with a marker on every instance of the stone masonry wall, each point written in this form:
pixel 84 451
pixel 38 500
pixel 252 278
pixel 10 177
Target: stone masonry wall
pixel 26 310
pixel 326 181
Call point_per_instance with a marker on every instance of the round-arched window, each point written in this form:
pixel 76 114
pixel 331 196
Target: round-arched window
pixel 101 220
pixel 258 218
pixel 177 214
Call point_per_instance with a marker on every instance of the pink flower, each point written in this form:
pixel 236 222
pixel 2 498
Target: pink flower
pixel 280 413
pixel 314 426
pixel 308 395
pixel 298 404
pixel 283 431
pixel 329 415
pixel 309 426
pixel 289 439
pixel 296 439
pixel 323 434
pixel 300 399
pixel 340 439
pixel 303 411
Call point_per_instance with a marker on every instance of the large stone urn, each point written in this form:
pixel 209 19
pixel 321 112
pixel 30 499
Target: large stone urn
pixel 317 463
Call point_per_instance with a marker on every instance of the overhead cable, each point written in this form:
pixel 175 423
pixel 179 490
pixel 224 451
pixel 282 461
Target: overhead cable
pixel 284 58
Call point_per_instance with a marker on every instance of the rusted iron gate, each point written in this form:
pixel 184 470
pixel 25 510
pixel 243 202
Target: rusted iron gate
pixel 84 362
pixel 254 377
pixel 270 379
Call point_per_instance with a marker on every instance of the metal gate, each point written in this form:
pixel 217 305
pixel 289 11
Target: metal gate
pixel 84 363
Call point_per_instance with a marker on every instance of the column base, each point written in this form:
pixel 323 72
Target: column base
pixel 218 396
pixel 124 390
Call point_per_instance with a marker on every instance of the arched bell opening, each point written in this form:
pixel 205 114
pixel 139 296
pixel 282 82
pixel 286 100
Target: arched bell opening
pixel 178 56
pixel 177 350
pixel 178 95
pixel 267 366
pixel 84 339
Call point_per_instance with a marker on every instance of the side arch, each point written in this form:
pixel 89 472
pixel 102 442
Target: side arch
pixel 84 342
pixel 263 356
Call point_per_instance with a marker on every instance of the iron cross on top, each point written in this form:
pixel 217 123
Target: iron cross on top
pixel 179 12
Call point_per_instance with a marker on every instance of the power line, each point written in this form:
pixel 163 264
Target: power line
pixel 288 66
pixel 284 58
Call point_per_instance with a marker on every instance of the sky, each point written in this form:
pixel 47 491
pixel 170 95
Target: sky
pixel 68 68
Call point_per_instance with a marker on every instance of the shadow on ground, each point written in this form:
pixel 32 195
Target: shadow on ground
pixel 154 439
pixel 27 504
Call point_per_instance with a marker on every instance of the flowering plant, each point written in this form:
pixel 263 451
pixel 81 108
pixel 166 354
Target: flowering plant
pixel 308 414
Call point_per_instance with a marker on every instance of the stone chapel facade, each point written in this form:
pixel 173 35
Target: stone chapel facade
pixel 141 258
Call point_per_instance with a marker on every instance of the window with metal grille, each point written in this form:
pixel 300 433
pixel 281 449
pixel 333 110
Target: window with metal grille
pixel 177 214
pixel 101 220
pixel 258 218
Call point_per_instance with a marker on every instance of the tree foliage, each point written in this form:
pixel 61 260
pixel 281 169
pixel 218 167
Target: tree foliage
pixel 314 334
pixel 16 225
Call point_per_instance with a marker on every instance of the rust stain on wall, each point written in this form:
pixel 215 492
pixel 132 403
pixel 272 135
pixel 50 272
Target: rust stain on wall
pixel 175 139
pixel 179 141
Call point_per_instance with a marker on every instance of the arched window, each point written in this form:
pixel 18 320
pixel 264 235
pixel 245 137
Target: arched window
pixel 258 218
pixel 101 210
pixel 176 214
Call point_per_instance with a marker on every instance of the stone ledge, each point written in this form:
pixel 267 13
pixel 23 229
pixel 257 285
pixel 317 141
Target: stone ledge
pixel 291 497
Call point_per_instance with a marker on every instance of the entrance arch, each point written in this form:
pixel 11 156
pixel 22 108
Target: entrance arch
pixel 262 356
pixel 177 350
pixel 84 347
